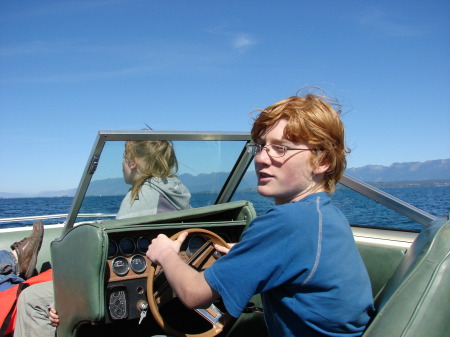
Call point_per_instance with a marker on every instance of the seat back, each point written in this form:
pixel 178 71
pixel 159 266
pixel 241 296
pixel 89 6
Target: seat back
pixel 79 266
pixel 416 300
pixel 381 261
pixel 80 258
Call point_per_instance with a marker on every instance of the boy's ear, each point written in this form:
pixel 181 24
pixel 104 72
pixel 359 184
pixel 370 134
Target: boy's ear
pixel 322 167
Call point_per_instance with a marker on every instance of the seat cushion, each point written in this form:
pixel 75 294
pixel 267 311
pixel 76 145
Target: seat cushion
pixel 416 300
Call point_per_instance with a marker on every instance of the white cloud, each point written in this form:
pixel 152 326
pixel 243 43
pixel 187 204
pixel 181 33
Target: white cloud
pixel 242 42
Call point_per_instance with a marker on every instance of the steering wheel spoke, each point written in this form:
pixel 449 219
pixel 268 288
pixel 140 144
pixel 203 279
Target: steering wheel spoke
pixel 164 294
pixel 204 257
pixel 212 314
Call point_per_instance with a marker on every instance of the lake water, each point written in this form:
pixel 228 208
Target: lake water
pixel 358 209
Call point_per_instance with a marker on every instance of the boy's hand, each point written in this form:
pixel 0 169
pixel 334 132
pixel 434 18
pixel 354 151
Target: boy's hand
pixel 162 245
pixel 222 249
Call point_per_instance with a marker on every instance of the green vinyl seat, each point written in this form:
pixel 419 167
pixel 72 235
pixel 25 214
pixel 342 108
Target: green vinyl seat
pixel 416 300
pixel 80 261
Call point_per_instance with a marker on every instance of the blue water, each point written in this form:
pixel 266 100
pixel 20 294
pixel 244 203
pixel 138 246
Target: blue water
pixel 358 209
pixel 362 211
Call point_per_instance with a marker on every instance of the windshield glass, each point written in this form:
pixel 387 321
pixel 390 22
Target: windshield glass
pixel 201 169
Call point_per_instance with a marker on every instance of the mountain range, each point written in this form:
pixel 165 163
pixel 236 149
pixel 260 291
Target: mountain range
pixel 400 173
pixel 412 171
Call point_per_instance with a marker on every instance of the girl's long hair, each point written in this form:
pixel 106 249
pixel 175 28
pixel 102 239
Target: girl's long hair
pixel 153 159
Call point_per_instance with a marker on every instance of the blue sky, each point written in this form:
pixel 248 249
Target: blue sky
pixel 71 68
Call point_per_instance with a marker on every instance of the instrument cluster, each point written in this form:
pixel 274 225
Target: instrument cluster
pixel 128 254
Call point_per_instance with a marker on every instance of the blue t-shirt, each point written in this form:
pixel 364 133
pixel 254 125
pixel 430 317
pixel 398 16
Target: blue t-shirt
pixel 303 260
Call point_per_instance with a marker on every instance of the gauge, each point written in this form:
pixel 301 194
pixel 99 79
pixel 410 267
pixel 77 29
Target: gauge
pixel 120 266
pixel 225 237
pixel 138 264
pixel 112 248
pixel 142 244
pixel 127 246
pixel 194 244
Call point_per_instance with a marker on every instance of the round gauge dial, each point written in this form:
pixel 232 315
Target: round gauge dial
pixel 112 248
pixel 142 244
pixel 120 266
pixel 138 264
pixel 127 246
pixel 194 244
pixel 225 237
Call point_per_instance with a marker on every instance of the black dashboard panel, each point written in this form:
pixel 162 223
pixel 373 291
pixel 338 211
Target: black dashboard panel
pixel 127 266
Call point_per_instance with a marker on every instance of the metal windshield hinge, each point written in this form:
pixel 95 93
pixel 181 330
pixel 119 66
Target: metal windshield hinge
pixel 93 164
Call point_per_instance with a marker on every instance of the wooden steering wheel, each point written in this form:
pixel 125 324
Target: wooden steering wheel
pixel 204 257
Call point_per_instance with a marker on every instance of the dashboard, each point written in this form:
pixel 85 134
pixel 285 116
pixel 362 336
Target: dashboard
pixel 128 266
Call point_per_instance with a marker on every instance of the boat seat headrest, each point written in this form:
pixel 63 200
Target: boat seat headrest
pixel 416 299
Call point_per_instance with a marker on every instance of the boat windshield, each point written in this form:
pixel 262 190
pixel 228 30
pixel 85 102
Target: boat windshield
pixel 210 167
pixel 215 168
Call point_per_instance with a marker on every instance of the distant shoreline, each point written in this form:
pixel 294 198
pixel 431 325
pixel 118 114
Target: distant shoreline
pixel 410 183
pixel 431 173
pixel 380 185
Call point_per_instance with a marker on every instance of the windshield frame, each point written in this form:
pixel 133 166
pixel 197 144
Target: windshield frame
pixel 103 136
pixel 241 165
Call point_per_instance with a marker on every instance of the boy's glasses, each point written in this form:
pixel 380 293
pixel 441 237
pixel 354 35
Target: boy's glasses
pixel 274 151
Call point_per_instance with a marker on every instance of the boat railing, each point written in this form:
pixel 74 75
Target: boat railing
pixel 54 216
pixel 388 200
